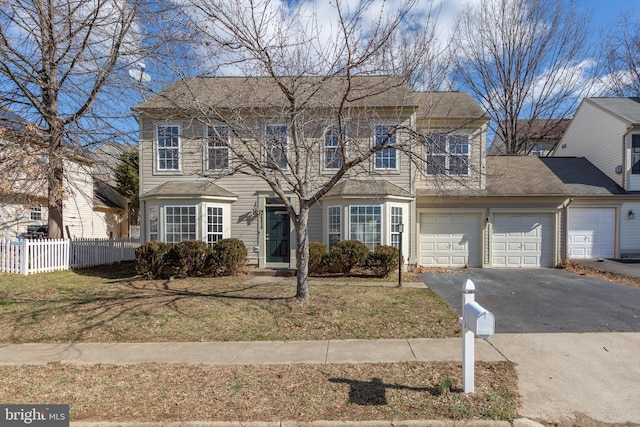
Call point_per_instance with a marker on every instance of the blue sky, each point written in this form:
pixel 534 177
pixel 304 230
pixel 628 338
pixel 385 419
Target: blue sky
pixel 606 12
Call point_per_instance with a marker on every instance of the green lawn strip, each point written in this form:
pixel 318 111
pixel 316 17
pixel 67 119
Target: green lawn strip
pixel 113 305
pixel 154 392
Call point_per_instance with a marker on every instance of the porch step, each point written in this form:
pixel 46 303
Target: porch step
pixel 272 272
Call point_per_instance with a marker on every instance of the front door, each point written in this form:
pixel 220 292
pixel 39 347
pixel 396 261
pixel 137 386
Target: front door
pixel 277 236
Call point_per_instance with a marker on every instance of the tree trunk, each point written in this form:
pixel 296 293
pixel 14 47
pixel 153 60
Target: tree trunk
pixel 302 254
pixel 55 186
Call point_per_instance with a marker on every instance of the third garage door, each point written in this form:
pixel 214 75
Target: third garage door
pixel 522 240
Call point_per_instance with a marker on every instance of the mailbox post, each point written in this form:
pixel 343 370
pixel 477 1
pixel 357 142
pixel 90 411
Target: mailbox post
pixel 476 320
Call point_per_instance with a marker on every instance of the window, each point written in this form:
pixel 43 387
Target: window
pixel 276 145
pixel 387 157
pixel 168 150
pixel 36 213
pixel 218 148
pixel 635 154
pixel 396 220
pixel 366 225
pixel 332 149
pixel 335 224
pixel 180 223
pixel 215 226
pixel 448 154
pixel 153 223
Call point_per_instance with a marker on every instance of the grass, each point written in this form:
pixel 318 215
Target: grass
pixel 75 306
pixel 111 304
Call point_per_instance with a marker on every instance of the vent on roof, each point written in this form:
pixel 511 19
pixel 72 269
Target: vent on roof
pixel 619 169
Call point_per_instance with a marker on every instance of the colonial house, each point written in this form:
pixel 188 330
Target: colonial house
pixel 606 132
pixel 91 208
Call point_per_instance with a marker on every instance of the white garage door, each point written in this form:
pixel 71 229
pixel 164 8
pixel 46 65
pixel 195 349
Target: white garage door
pixel 450 240
pixel 522 240
pixel 591 232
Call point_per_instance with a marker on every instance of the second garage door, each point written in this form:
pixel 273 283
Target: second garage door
pixel 522 240
pixel 450 240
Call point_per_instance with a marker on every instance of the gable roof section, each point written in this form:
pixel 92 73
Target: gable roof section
pixel 447 105
pixel 627 109
pixel 581 177
pixel 192 189
pixel 522 176
pixel 11 120
pixel 263 92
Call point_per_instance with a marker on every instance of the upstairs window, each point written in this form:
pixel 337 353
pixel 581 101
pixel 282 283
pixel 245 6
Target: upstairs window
pixel 386 158
pixel 276 146
pixel 168 148
pixel 36 213
pixel 635 154
pixel 332 149
pixel 218 147
pixel 447 154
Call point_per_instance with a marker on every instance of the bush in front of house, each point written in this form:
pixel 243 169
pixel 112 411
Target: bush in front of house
pixel 229 256
pixel 191 258
pixel 348 254
pixel 318 254
pixel 383 260
pixel 151 258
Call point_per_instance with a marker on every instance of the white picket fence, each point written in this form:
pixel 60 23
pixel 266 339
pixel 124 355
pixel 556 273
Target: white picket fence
pixel 42 256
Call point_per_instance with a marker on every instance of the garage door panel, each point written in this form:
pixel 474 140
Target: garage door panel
pixel 591 233
pixel 522 240
pixel 451 240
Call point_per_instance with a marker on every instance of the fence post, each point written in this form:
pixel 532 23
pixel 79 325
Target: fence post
pixel 24 257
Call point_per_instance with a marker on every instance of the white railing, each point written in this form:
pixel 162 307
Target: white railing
pixel 40 256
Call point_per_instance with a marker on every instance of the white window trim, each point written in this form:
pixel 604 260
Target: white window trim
pixel 329 233
pixel 206 148
pixel 382 222
pixel 395 150
pixel 402 221
pixel 197 220
pixel 447 154
pixel 226 219
pixel 35 210
pixel 267 154
pixel 157 232
pixel 324 147
pixel 157 148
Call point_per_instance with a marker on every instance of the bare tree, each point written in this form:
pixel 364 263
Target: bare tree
pixel 521 59
pixel 621 58
pixel 61 67
pixel 307 69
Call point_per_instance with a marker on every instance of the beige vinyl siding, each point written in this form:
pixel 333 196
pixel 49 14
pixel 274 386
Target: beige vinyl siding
pixel 630 229
pixel 598 136
pixel 78 205
pixel 316 229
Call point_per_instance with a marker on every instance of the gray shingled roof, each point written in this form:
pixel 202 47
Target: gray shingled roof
pixel 189 188
pixel 450 105
pixel 627 109
pixel 581 177
pixel 368 189
pixel 522 176
pixel 256 92
pixel 11 120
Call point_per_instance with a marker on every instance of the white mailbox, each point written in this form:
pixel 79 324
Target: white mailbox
pixel 478 320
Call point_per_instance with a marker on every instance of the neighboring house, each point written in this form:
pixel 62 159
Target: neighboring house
pixel 91 209
pixel 536 137
pixel 606 131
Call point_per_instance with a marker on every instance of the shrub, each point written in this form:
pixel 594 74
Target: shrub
pixel 228 256
pixel 348 254
pixel 189 258
pixel 383 261
pixel 151 260
pixel 317 257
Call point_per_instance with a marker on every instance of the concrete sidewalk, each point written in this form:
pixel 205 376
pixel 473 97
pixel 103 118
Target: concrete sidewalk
pixel 561 377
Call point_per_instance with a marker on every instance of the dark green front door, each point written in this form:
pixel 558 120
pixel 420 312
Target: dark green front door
pixel 277 237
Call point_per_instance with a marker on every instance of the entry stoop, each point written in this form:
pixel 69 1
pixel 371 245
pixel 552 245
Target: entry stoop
pixel 272 272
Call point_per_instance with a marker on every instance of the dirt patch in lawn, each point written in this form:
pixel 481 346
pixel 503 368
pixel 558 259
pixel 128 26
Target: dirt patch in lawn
pixel 154 392
pixel 580 269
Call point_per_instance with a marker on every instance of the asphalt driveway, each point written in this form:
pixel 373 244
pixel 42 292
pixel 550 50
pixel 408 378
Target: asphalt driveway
pixel 544 300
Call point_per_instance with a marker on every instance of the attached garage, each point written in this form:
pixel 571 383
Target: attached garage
pixel 522 240
pixel 591 233
pixel 450 240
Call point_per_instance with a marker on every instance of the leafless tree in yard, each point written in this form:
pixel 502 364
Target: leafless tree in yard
pixel 316 63
pixel 63 67
pixel 522 59
pixel 621 59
